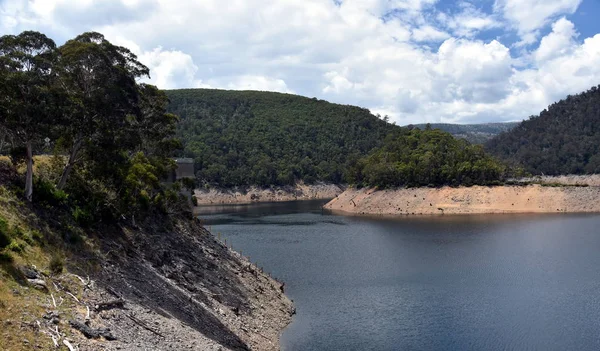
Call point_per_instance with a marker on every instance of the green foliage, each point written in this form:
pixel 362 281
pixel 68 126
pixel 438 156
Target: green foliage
pixel 564 139
pixel 46 193
pixel 115 134
pixel 57 264
pixel 264 138
pixel 83 217
pixel 17 246
pixel 5 235
pixel 426 158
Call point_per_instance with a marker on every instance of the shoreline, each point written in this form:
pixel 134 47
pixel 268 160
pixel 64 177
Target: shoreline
pixel 534 199
pixel 239 196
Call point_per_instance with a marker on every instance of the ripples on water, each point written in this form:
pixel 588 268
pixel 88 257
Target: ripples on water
pixel 499 282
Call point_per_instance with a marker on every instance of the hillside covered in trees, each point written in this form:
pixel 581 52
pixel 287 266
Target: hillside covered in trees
pixel 266 138
pixel 414 157
pixel 563 139
pixel 474 133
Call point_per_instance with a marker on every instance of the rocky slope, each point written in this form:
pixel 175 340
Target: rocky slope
pixel 273 194
pixel 468 200
pixel 163 284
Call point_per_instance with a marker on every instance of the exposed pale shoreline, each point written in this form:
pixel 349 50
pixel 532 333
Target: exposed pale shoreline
pixel 319 191
pixel 468 200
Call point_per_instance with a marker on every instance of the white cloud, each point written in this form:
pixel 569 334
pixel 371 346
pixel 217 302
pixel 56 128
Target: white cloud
pixel 171 69
pixel 404 58
pixel 468 21
pixel 529 16
pixel 559 42
pixel 429 33
pixel 252 82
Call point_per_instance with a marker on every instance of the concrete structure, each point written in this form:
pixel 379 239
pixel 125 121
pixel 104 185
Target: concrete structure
pixel 185 168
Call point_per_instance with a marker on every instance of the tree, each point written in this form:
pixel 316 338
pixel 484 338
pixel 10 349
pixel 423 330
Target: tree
pixel 100 79
pixel 28 94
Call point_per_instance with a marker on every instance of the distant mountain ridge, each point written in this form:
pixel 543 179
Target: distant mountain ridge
pixel 473 133
pixel 562 139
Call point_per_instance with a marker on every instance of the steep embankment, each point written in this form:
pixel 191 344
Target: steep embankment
pixel 163 283
pixel 468 200
pixel 272 194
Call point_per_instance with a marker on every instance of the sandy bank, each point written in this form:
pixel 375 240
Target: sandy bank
pixel 273 194
pixel 472 200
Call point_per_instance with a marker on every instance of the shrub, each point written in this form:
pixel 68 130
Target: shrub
pixel 46 192
pixel 17 246
pixel 57 264
pixel 82 216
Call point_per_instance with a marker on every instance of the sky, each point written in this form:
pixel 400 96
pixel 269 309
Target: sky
pixel 414 60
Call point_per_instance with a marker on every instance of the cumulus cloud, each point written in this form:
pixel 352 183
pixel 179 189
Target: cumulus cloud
pixel 529 16
pixel 414 60
pixel 559 42
pixel 171 69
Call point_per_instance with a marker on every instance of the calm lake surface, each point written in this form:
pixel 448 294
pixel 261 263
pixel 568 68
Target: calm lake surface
pixel 500 282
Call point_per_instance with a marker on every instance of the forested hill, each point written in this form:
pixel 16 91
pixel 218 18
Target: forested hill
pixel 563 139
pixel 266 138
pixel 474 133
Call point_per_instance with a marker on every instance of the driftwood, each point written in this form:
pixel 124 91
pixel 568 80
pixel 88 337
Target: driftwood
pixel 91 333
pixel 68 345
pixel 109 305
pixel 143 325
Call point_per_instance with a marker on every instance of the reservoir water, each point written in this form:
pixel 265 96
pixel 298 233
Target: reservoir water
pixel 497 282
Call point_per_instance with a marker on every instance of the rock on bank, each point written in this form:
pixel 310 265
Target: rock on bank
pixel 468 200
pixel 273 194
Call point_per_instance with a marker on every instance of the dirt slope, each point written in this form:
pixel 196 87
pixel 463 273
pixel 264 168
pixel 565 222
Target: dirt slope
pixel 274 194
pixel 471 200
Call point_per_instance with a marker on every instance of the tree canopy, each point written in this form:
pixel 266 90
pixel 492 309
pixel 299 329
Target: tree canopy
pixel 563 139
pixel 265 138
pixel 112 135
pixel 426 158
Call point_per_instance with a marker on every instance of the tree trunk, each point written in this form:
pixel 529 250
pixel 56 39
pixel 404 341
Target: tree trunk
pixel 70 163
pixel 29 174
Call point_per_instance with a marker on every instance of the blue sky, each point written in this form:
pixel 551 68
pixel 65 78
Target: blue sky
pixel 414 60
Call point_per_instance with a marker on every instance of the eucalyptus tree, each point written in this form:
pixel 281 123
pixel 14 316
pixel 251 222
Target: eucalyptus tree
pixel 100 81
pixel 27 94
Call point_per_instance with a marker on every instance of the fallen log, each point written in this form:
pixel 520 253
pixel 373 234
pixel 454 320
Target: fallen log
pixel 91 333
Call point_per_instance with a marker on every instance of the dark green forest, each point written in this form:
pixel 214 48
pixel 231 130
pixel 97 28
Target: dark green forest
pixel 414 157
pixel 265 138
pixel 562 139
pixel 473 133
